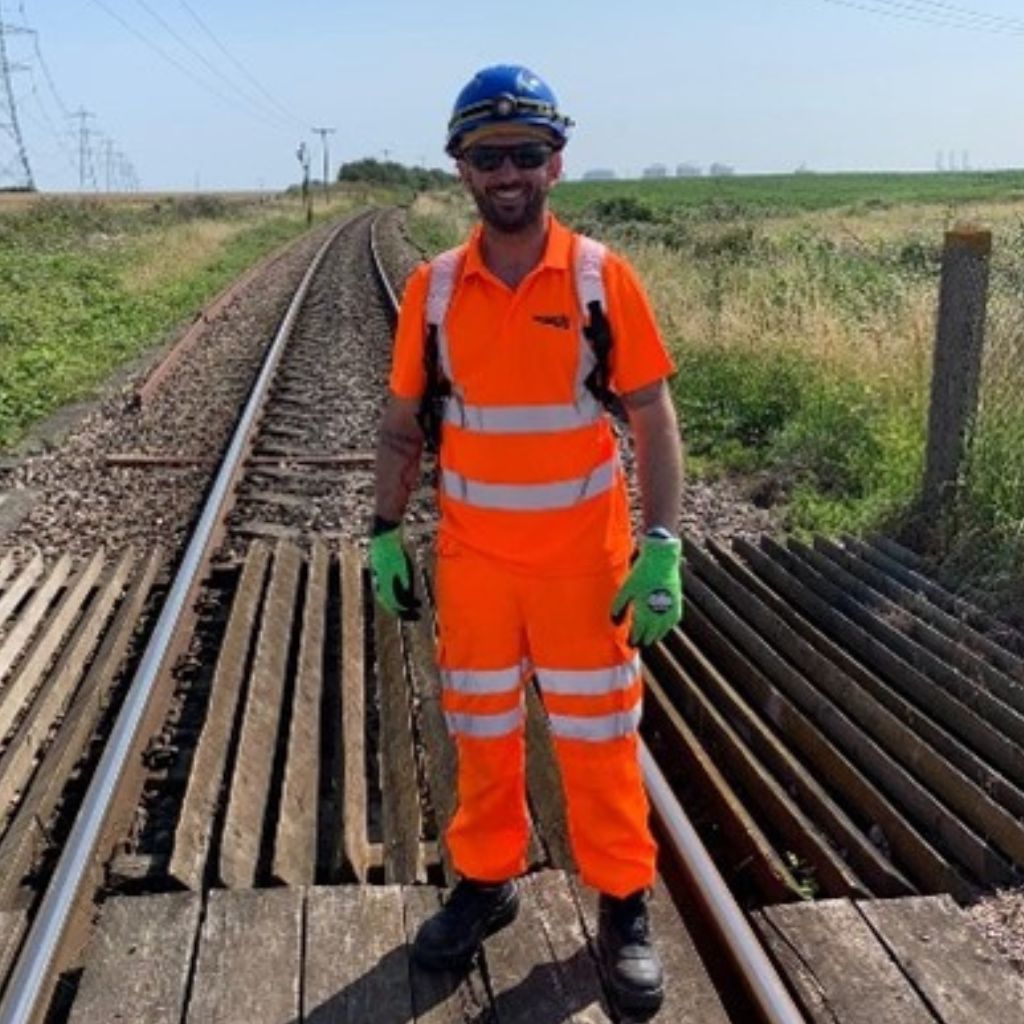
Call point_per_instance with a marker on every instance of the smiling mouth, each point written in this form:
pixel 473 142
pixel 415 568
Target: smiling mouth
pixel 507 195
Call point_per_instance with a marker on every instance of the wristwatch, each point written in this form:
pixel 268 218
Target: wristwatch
pixel 660 533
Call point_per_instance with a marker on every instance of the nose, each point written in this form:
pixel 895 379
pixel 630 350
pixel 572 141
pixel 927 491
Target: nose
pixel 506 170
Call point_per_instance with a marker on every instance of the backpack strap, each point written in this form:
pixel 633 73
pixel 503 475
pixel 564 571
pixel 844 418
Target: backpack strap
pixel 590 256
pixel 444 272
pixel 589 266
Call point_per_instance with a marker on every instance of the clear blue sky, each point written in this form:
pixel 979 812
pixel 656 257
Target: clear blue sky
pixel 764 85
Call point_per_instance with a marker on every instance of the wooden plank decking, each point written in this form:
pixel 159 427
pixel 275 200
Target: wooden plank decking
pixel 913 960
pixel 328 955
pixel 341 955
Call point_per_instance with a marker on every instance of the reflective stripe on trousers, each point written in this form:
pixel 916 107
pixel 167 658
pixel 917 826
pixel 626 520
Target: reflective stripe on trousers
pixel 571 682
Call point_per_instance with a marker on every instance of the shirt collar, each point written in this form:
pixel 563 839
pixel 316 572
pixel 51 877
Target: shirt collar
pixel 556 256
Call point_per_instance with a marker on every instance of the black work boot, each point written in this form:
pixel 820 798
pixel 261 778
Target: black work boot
pixel 448 940
pixel 631 962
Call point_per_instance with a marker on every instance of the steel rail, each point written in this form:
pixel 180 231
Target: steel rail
pixel 378 266
pixel 27 982
pixel 764 985
pixel 763 982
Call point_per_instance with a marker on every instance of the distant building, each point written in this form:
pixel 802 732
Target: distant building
pixel 717 170
pixel 656 171
pixel 599 174
pixel 688 170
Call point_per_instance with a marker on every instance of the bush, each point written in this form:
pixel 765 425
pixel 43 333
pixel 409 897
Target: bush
pixel 729 398
pixel 617 209
pixel 848 456
pixel 388 172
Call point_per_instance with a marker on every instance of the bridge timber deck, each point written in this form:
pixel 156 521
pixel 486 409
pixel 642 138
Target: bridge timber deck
pixel 340 955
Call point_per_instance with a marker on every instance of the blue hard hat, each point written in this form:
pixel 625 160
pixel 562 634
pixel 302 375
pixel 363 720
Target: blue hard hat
pixel 506 94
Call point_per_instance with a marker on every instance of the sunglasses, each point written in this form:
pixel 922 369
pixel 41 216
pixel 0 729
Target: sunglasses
pixel 527 156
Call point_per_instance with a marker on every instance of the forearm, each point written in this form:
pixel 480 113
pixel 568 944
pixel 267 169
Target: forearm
pixel 659 455
pixel 399 447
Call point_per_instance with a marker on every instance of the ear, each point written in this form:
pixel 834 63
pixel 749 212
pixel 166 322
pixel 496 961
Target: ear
pixel 555 167
pixel 463 172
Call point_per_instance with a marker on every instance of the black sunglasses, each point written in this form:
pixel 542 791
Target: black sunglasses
pixel 527 156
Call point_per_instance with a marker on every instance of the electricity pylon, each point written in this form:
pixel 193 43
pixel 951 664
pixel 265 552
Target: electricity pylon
pixel 9 125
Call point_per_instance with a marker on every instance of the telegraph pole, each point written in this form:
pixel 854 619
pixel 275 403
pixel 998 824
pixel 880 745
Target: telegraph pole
pixel 323 133
pixel 8 108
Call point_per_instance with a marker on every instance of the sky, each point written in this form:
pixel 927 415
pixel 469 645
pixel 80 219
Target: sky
pixel 761 85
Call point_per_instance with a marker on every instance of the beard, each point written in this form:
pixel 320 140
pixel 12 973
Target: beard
pixel 511 217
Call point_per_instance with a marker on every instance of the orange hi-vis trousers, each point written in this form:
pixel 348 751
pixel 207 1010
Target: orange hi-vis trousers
pixel 497 628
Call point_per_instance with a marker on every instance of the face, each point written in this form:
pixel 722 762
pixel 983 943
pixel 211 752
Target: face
pixel 510 198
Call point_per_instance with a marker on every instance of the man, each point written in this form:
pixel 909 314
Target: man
pixel 515 340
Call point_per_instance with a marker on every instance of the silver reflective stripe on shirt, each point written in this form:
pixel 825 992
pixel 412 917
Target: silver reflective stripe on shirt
pixel 523 419
pixel 596 728
pixel 484 726
pixel 531 497
pixel 591 682
pixel 477 681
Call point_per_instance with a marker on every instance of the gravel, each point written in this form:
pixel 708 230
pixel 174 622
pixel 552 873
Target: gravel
pixel 1001 918
pixel 78 503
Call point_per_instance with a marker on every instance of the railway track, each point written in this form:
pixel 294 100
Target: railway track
pixel 833 721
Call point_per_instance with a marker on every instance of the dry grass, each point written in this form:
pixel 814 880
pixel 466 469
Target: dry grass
pixel 170 253
pixel 781 307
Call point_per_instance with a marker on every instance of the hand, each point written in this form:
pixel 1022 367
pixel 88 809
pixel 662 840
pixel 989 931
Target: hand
pixel 654 587
pixel 391 570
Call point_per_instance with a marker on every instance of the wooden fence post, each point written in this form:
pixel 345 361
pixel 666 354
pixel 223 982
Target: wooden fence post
pixel 959 339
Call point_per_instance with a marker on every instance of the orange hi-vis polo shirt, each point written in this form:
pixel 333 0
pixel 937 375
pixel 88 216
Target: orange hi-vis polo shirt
pixel 524 477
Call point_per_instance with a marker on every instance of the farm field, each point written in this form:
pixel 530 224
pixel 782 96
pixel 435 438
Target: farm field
pixel 801 314
pixel 775 193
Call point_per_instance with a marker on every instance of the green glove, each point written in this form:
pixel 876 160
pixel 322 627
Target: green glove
pixel 391 569
pixel 655 588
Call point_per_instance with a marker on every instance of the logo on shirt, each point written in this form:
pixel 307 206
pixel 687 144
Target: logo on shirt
pixel 556 320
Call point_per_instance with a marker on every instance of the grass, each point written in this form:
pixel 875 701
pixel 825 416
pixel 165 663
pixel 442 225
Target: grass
pixel 726 198
pixel 801 314
pixel 86 287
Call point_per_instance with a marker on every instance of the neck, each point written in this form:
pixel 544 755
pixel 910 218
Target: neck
pixel 511 256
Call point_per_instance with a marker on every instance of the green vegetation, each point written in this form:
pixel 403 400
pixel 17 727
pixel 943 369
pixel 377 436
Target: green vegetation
pixel 839 453
pixel 801 314
pixel 759 195
pixel 87 286
pixel 388 172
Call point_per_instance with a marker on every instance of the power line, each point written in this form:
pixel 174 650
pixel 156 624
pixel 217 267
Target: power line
pixel 173 61
pixel 927 13
pixel 258 105
pixel 1001 20
pixel 238 64
pixel 58 135
pixel 45 67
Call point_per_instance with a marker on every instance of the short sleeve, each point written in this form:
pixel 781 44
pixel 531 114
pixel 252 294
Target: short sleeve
pixel 639 356
pixel 408 376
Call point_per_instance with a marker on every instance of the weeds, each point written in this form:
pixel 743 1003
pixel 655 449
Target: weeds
pixel 87 286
